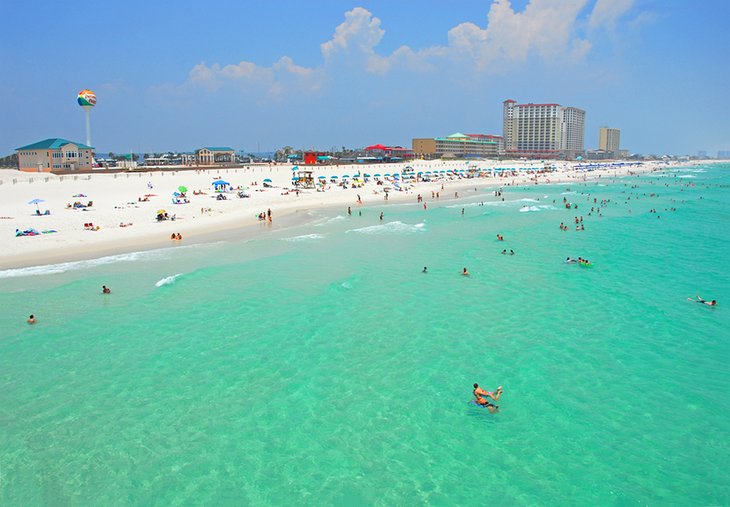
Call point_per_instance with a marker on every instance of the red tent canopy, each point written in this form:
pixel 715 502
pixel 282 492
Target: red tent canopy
pixel 377 147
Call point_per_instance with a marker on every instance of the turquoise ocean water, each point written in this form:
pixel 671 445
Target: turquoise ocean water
pixel 317 365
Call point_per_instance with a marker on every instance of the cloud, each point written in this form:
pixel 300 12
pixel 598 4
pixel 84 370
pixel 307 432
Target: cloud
pixel 545 28
pixel 608 12
pixel 359 33
pixel 283 75
pixel 548 30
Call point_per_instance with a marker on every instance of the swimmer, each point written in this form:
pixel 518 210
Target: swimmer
pixel 425 269
pixel 105 290
pixel 480 394
pixel 31 319
pixel 511 252
pixel 504 252
pixel 465 272
pixel 703 301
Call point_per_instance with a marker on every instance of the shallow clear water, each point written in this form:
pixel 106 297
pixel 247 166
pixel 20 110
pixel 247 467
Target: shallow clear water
pixel 318 365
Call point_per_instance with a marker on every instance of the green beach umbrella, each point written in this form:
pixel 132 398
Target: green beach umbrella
pixel 182 189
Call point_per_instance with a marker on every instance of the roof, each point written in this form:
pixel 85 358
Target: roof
pixel 509 100
pixel 53 143
pixel 457 135
pixel 218 148
pixel 531 105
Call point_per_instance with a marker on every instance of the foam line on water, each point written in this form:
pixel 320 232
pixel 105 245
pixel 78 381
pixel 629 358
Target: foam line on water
pixel 304 237
pixel 53 269
pixel 390 228
pixel 167 280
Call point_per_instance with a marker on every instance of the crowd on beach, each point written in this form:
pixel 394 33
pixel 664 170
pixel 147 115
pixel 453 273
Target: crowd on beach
pixel 119 219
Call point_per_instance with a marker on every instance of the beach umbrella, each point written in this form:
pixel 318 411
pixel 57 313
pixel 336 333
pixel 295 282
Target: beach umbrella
pixel 333 177
pixel 182 189
pixel 377 175
pixel 322 177
pixel 366 175
pixel 267 180
pixel 295 178
pixel 36 201
pixel 218 183
pixel 345 176
pixel 161 211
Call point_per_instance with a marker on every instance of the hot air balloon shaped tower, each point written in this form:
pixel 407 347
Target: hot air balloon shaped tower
pixel 87 100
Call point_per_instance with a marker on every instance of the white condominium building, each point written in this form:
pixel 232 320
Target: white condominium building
pixel 543 130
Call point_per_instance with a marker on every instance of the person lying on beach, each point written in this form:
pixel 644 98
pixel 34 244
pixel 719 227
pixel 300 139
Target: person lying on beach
pixel 700 300
pixel 480 397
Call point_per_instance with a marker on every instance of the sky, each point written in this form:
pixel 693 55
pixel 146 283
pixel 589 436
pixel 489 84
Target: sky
pixel 257 76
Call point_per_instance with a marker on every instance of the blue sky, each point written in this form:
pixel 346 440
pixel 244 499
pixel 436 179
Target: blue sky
pixel 330 73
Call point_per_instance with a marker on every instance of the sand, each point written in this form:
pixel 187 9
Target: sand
pixel 116 201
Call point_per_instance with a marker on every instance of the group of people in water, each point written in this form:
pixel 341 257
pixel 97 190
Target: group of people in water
pixel 176 236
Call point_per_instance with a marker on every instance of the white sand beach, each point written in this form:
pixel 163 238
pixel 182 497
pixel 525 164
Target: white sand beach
pixel 123 212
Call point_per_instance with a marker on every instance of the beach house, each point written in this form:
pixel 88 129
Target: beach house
pixel 215 155
pixel 54 154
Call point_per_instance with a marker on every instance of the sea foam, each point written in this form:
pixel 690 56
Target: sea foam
pixel 53 269
pixel 390 228
pixel 167 280
pixel 304 237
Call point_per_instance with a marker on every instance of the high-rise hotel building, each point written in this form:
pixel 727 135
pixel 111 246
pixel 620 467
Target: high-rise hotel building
pixel 543 130
pixel 609 140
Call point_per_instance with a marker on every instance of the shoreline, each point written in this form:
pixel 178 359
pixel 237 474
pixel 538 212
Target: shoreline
pixel 241 222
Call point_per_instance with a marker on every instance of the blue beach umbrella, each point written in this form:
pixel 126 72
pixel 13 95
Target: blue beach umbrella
pixel 322 177
pixel 36 202
pixel 377 175
pixel 333 177
pixel 295 178
pixel 267 180
pixel 345 176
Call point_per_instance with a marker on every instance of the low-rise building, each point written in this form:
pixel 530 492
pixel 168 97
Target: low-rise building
pixel 215 155
pixel 55 154
pixel 459 145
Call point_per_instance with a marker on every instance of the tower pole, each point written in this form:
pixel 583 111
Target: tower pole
pixel 88 127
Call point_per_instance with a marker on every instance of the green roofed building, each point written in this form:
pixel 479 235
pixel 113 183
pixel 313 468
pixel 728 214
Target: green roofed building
pixel 215 155
pixel 55 154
